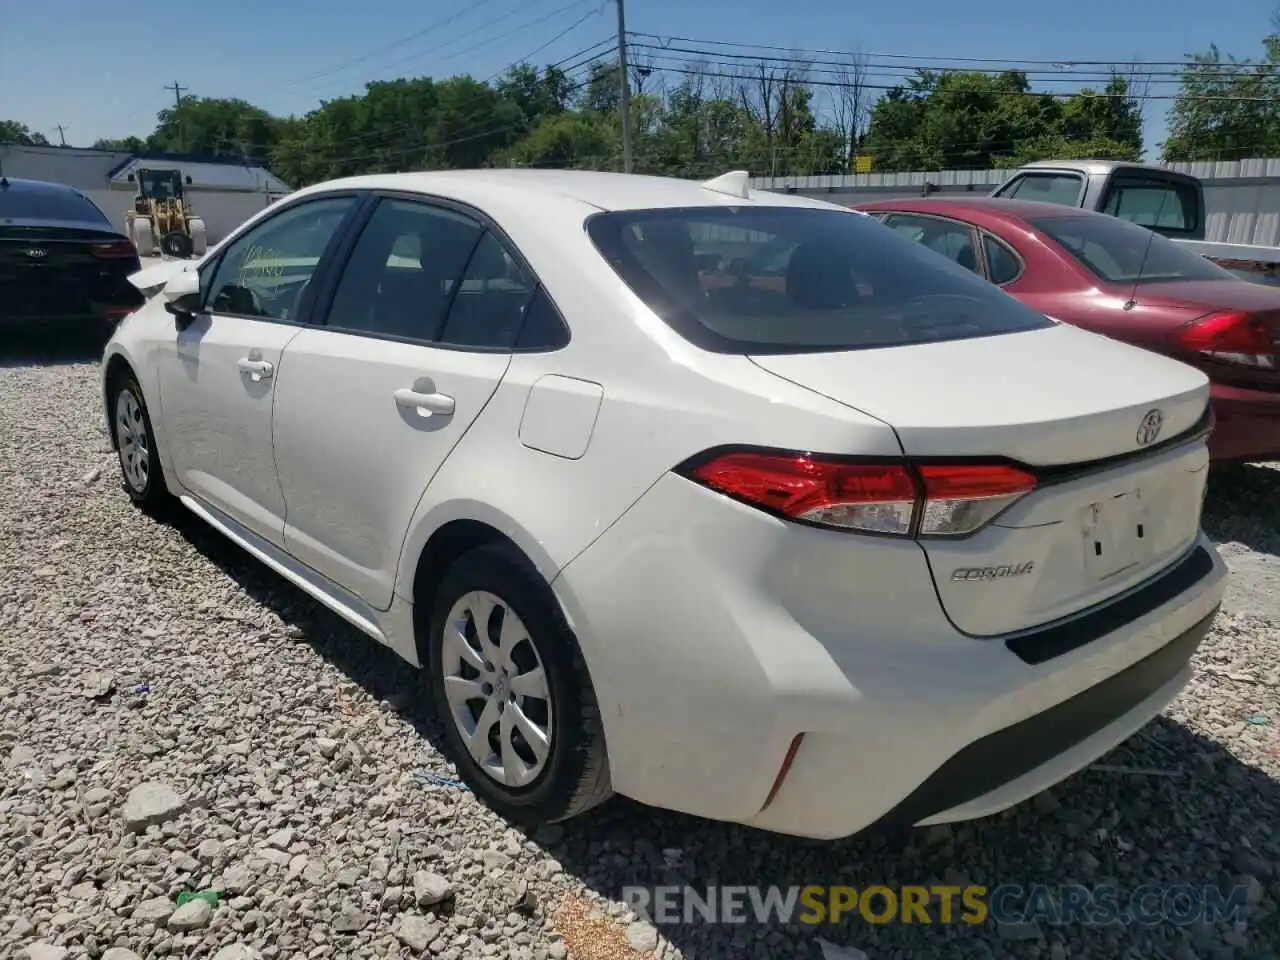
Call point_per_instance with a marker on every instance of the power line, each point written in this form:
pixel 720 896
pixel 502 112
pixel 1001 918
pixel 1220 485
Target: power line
pixel 395 44
pixel 486 41
pixel 905 69
pixel 835 84
pixel 904 56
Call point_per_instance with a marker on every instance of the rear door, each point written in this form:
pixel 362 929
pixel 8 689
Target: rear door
pixel 416 335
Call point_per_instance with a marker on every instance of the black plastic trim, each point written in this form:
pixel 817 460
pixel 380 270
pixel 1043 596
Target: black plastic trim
pixel 1004 756
pixel 1046 643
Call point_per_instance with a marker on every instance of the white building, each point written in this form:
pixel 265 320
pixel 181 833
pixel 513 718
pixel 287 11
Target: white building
pixel 223 193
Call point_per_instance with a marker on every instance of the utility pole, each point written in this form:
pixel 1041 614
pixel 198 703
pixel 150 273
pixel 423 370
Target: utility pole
pixel 177 102
pixel 624 88
pixel 62 136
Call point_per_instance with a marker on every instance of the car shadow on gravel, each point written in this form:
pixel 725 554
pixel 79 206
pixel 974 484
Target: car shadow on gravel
pixel 1242 506
pixel 1169 808
pixel 1183 812
pixel 50 349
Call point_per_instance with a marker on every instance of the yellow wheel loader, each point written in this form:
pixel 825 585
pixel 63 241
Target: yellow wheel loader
pixel 161 219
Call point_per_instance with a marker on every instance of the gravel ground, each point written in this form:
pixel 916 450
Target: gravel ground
pixel 174 717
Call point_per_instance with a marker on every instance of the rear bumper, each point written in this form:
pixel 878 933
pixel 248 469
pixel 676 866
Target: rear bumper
pixel 1248 424
pixel 716 635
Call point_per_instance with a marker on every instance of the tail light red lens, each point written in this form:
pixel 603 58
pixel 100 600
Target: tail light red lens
pixel 114 250
pixel 891 498
pixel 1235 338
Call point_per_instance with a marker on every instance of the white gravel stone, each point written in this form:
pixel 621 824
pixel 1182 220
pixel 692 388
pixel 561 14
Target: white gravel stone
pixel 45 951
pixel 209 650
pixel 430 888
pixel 153 910
pixel 120 953
pixel 416 932
pixel 237 951
pixel 151 804
pixel 192 915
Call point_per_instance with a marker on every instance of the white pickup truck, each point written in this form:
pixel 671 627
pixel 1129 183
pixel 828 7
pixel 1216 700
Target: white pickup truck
pixel 1168 202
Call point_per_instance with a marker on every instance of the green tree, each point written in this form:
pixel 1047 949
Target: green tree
pixel 216 127
pixel 971 120
pixel 122 145
pixel 1227 109
pixel 13 132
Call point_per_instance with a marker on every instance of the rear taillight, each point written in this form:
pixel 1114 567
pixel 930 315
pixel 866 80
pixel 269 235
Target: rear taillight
pixel 115 250
pixel 1236 338
pixel 892 498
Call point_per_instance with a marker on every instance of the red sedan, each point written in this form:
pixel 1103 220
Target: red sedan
pixel 1119 279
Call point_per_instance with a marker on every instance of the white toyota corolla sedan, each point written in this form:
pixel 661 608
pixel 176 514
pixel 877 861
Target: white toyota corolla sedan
pixel 731 502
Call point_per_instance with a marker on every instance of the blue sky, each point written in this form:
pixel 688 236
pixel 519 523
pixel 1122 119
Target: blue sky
pixel 79 63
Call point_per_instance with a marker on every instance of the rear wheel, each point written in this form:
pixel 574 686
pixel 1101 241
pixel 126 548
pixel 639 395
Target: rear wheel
pixel 141 475
pixel 512 691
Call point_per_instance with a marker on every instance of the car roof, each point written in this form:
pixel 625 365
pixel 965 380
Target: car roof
pixel 604 191
pixel 38 186
pixel 996 208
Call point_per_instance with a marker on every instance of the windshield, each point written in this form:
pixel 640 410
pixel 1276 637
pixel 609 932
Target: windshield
pixel 160 184
pixel 1118 251
pixel 47 203
pixel 795 279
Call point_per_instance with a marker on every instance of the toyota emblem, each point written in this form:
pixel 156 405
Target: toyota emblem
pixel 36 253
pixel 1149 428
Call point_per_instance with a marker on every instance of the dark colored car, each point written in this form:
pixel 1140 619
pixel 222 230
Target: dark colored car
pixel 62 263
pixel 1116 278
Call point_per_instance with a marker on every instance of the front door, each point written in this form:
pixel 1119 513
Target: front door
pixel 217 383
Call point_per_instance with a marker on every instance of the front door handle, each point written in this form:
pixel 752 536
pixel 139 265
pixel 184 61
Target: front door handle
pixel 423 398
pixel 258 370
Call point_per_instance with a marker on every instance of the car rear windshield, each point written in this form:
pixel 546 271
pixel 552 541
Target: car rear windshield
pixel 20 203
pixel 1118 251
pixel 795 279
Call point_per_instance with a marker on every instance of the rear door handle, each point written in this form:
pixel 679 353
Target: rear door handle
pixel 422 397
pixel 258 370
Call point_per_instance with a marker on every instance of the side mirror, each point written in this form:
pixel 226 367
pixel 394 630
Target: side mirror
pixel 182 294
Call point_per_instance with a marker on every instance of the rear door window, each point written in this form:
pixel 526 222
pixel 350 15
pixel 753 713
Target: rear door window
pixel 1060 188
pixel 759 279
pixel 955 241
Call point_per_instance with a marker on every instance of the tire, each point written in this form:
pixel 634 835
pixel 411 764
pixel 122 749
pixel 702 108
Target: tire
pixel 142 237
pixel 573 776
pixel 140 471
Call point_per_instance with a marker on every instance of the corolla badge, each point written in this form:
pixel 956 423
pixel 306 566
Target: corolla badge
pixel 1150 427
pixel 36 253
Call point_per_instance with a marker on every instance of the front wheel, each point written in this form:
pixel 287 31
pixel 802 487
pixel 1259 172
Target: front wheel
pixel 512 691
pixel 141 475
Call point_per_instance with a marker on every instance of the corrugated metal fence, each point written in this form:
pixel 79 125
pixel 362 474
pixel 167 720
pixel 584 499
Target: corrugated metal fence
pixel 1242 196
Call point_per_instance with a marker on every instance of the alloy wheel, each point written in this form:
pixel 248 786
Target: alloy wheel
pixel 497 691
pixel 132 439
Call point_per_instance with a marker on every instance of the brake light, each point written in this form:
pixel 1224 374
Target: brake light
pixel 890 498
pixel 115 250
pixel 1236 338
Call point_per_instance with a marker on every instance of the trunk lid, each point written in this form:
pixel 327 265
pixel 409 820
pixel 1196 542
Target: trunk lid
pixel 62 266
pixel 1208 295
pixel 1058 401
